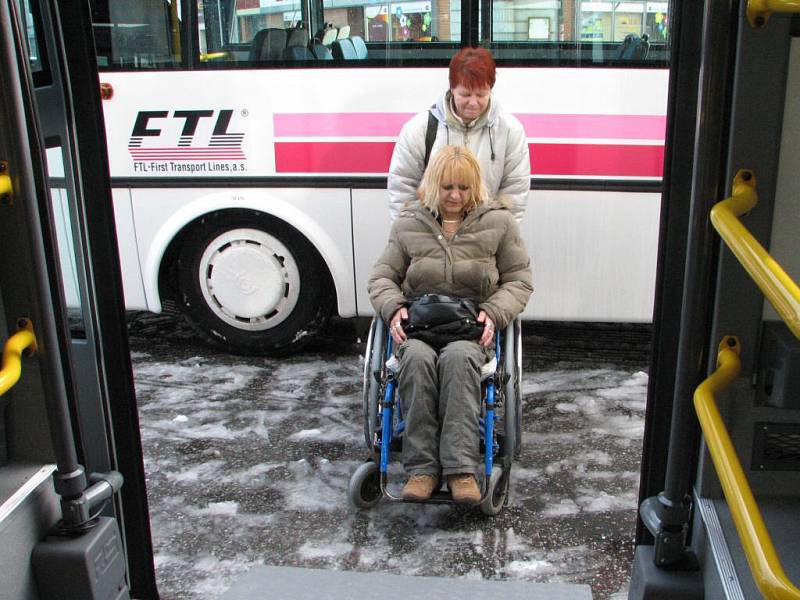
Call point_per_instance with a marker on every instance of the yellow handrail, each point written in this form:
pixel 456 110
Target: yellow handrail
pixel 758 548
pixel 776 285
pixel 5 185
pixel 6 188
pixel 205 57
pixel 759 11
pixel 12 351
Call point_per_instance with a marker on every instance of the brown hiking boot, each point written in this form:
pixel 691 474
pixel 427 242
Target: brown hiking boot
pixel 419 487
pixel 464 488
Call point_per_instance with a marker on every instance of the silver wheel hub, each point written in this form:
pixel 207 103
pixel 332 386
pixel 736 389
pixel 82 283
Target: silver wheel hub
pixel 249 279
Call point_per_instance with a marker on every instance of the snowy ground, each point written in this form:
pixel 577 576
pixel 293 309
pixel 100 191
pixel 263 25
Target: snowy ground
pixel 248 460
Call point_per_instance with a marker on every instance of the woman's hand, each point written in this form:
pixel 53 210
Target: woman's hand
pixel 396 328
pixel 488 328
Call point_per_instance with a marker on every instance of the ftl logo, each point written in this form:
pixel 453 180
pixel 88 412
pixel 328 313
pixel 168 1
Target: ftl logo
pixel 184 135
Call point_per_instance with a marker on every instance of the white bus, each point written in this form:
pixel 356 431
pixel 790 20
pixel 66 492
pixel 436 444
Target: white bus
pixel 249 159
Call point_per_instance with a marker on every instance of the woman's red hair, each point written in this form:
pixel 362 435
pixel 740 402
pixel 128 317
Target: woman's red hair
pixel 474 68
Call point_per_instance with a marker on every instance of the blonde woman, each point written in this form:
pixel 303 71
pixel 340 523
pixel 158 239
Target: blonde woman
pixel 458 242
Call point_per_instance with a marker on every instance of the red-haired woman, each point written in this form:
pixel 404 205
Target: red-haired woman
pixel 466 115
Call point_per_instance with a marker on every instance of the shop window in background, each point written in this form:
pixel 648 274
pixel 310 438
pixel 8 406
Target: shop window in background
pixel 627 23
pixel 377 24
pixel 657 25
pixel 595 26
pixel 401 22
pixel 411 21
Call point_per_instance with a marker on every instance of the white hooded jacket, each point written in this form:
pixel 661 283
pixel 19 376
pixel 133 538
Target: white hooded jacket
pixel 496 138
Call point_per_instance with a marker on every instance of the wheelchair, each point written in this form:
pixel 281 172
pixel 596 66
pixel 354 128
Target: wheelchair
pixel 499 426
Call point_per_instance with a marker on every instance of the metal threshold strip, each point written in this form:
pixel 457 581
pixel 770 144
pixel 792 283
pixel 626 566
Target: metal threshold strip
pixel 313 584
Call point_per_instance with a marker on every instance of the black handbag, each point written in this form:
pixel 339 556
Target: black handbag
pixel 437 320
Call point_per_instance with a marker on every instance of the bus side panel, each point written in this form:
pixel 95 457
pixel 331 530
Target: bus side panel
pixel 371 225
pixel 593 255
pixel 321 215
pixel 595 124
pixel 130 265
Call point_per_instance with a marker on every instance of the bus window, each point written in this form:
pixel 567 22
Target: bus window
pixel 137 35
pixel 275 34
pixel 249 30
pixel 634 31
pixel 412 21
pixel 251 16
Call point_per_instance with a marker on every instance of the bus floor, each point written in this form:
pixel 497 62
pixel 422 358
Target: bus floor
pixel 248 460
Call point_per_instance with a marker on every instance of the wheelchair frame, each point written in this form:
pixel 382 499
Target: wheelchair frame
pixel 502 389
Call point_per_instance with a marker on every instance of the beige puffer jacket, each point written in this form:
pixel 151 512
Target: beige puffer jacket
pixel 486 261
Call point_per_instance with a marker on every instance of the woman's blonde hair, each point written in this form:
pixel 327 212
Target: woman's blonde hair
pixel 452 165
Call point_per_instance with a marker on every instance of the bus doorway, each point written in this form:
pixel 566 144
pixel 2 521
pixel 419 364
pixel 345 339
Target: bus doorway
pixel 718 514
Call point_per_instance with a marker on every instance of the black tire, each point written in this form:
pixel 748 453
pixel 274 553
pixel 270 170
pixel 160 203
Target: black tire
pixel 497 494
pixel 371 388
pixel 518 385
pixel 364 488
pixel 511 396
pixel 252 284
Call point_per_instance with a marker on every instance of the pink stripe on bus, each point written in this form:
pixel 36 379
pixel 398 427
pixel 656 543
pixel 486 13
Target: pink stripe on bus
pixel 588 160
pixel 598 160
pixel 333 157
pixel 339 124
pixel 626 127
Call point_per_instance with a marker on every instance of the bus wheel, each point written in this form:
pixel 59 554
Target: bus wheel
pixel 252 285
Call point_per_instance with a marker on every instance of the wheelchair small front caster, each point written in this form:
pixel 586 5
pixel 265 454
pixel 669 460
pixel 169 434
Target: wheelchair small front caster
pixel 497 492
pixel 364 489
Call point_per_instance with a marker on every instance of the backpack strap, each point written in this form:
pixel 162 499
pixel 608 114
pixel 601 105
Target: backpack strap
pixel 430 136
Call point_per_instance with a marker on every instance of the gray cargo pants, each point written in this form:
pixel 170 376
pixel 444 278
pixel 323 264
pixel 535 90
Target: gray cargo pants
pixel 441 400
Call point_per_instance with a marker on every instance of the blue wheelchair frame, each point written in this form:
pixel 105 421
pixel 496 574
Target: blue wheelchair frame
pixel 368 484
pixel 390 398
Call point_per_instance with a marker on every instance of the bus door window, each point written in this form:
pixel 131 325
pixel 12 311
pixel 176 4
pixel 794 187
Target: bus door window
pixel 63 229
pixel 31 25
pixel 137 34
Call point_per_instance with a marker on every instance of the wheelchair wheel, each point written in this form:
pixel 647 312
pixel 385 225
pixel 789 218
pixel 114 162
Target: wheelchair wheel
pixel 373 363
pixel 497 494
pixel 512 391
pixel 518 386
pixel 364 488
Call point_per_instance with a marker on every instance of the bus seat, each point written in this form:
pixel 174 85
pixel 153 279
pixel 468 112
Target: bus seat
pixel 296 53
pixel 329 36
pixel 268 44
pixel 344 31
pixel 633 47
pixel 360 46
pixel 321 52
pixel 296 37
pixel 343 50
